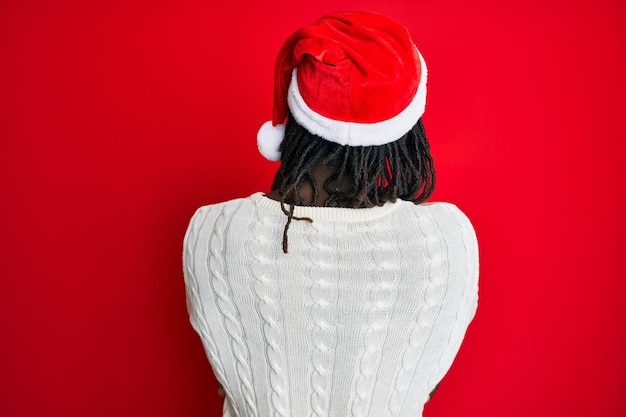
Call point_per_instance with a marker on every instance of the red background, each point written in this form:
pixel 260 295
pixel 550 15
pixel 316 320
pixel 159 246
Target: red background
pixel 118 119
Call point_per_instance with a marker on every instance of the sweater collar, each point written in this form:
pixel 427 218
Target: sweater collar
pixel 327 213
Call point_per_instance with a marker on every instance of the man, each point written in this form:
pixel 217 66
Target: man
pixel 338 293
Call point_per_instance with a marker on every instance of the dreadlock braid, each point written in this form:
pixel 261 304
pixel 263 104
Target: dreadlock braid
pixel 366 176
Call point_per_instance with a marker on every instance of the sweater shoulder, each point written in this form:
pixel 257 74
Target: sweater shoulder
pixel 444 212
pixel 452 222
pixel 205 216
pixel 217 208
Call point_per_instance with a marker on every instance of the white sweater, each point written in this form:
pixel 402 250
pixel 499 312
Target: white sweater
pixel 363 316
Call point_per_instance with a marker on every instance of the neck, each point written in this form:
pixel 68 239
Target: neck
pixel 321 174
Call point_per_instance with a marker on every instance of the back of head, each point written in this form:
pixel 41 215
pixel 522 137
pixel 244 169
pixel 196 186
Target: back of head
pixel 349 94
pixel 360 176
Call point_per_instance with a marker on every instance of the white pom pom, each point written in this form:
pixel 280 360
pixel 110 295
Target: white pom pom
pixel 268 140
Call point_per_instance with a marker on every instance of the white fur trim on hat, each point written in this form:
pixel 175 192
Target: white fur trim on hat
pixel 358 134
pixel 268 140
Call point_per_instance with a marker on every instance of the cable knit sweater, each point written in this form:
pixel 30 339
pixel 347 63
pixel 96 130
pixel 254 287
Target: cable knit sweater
pixel 363 316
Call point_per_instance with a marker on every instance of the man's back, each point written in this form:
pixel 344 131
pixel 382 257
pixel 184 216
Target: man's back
pixel 363 316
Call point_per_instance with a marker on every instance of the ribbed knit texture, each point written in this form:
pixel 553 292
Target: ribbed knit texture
pixel 362 318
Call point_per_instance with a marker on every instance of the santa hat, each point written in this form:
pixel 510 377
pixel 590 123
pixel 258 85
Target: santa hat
pixel 353 78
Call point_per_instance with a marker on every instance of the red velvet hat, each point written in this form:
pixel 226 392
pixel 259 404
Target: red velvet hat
pixel 353 78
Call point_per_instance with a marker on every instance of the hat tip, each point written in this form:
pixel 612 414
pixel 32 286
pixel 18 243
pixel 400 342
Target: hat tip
pixel 269 139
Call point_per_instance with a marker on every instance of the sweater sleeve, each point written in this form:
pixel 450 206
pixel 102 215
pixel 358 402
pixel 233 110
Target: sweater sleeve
pixel 189 269
pixel 201 297
pixel 470 249
pixel 460 305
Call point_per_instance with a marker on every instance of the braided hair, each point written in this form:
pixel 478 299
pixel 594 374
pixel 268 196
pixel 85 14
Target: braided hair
pixel 366 176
